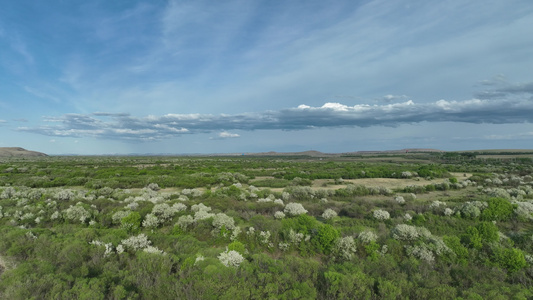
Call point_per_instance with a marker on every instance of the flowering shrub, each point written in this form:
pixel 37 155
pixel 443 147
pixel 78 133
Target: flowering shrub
pixel 405 232
pixel 329 213
pixel 151 221
pixel 399 200
pixel 265 238
pixel 76 212
pixel 153 186
pixel 192 192
pixel 184 222
pixel 231 258
pixel 522 209
pixel 165 212
pixel 294 209
pixel 472 209
pixel 344 248
pixel 153 250
pixel 202 215
pixel 436 204
pixel 117 217
pixel 420 252
pixel 448 211
pixel 367 237
pixel 381 215
pixel 137 242
pixel 279 215
pixel 222 220
pixel 7 193
pixel 200 207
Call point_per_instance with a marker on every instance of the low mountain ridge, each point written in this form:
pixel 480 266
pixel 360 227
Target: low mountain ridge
pixel 19 152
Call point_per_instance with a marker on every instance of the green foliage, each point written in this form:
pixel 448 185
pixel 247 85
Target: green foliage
pixel 461 252
pixel 325 237
pixel 499 209
pixel 237 246
pixel 488 232
pixel 510 258
pixel 371 250
pixel 472 238
pixel 43 255
pixel 132 222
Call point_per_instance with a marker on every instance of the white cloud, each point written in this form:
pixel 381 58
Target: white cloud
pixel 225 134
pixel 330 115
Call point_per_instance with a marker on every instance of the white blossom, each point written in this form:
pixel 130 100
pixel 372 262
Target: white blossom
pixel 137 242
pixel 279 215
pixel 185 221
pixel 200 207
pixel 399 200
pixel 367 237
pixel 381 215
pixel 295 237
pixel 264 236
pixel 405 232
pixel 76 212
pixel 345 247
pixel 151 221
pixel 420 252
pixel 153 250
pixel 202 215
pixel 222 220
pixel 231 258
pixel 294 209
pixel 199 258
pixel 55 215
pixel 329 213
pixel 119 215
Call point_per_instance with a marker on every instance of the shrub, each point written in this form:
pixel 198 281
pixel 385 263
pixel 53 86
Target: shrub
pixel 329 213
pixel 405 232
pixel 132 222
pixel 326 236
pixel 222 220
pixel 137 242
pixel 498 209
pixel 367 237
pixel 294 209
pixel 185 221
pixel 381 215
pixel 399 200
pixel 231 258
pixel 344 248
pixel 279 215
pixel 512 259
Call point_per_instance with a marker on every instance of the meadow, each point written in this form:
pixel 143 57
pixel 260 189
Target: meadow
pixel 392 226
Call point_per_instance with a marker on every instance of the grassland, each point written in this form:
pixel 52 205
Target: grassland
pixel 375 226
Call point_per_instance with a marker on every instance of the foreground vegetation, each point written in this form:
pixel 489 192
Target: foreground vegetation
pixel 451 226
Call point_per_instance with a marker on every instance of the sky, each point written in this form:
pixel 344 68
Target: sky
pixel 184 77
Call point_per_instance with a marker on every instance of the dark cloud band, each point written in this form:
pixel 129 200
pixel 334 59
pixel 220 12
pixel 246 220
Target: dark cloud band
pixel 126 127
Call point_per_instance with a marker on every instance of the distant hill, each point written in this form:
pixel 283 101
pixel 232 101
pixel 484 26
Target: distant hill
pixel 18 152
pixel 311 153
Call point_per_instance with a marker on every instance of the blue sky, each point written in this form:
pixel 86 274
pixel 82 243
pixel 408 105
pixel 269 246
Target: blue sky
pixel 118 77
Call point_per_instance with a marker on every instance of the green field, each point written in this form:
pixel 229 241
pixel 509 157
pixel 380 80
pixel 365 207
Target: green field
pixel 389 226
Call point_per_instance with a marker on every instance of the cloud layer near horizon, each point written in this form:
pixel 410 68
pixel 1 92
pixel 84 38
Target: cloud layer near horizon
pixel 517 107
